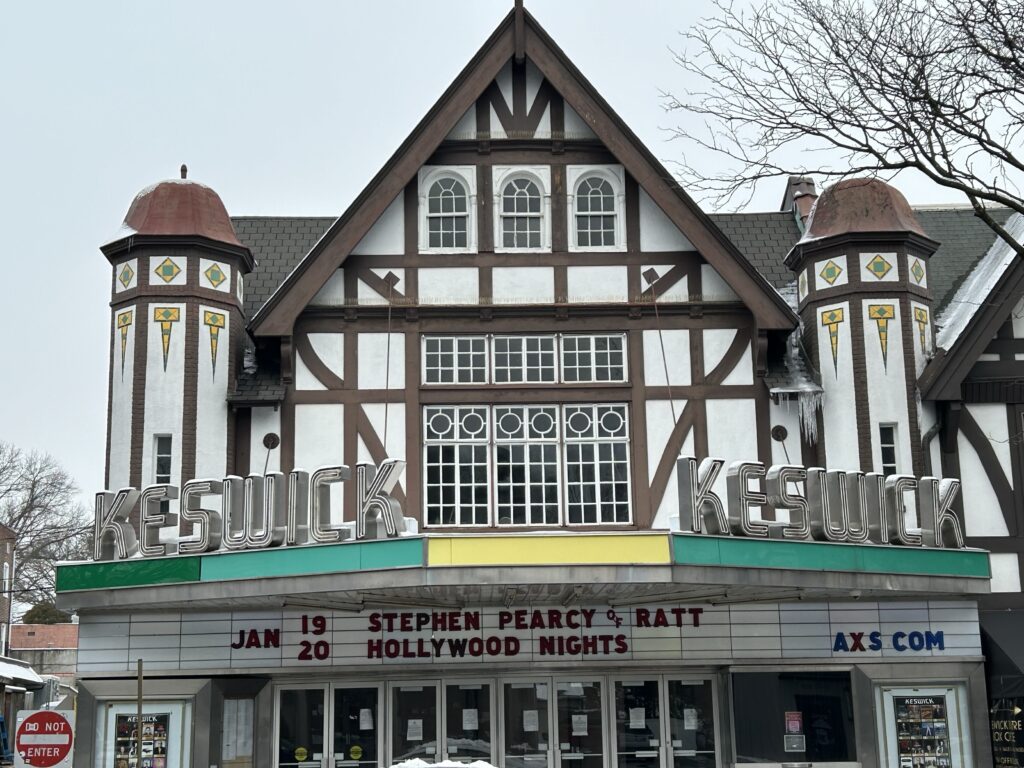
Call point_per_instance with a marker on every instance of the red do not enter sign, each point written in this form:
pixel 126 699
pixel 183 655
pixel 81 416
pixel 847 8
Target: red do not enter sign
pixel 44 739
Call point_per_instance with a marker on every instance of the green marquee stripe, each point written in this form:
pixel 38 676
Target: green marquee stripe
pixel 332 558
pixel 266 563
pixel 694 549
pixel 127 573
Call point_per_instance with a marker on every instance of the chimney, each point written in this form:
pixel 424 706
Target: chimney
pixel 799 198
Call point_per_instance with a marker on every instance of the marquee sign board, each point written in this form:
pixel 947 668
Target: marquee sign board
pixel 524 635
pixel 272 510
pixel 44 739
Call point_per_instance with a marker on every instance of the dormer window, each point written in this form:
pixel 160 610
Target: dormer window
pixel 447 214
pixel 447 203
pixel 522 208
pixel 596 202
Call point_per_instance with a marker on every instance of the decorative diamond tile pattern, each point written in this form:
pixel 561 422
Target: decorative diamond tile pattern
pixel 878 266
pixel 167 270
pixel 830 272
pixel 215 275
pixel 126 275
pixel 917 270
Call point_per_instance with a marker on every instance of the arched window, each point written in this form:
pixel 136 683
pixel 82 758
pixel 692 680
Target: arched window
pixel 520 215
pixel 595 213
pixel 447 214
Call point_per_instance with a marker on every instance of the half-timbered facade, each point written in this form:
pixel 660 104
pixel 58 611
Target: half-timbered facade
pixel 437 478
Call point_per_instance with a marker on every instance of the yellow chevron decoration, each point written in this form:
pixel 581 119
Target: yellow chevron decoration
pixel 921 318
pixel 214 321
pixel 166 316
pixel 882 314
pixel 124 322
pixel 832 319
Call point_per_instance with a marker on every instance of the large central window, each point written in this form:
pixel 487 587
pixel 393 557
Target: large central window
pixel 526 464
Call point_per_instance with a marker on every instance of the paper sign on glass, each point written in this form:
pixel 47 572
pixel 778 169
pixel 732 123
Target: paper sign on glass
pixel 470 720
pixel 579 725
pixel 531 723
pixel 689 719
pixel 365 719
pixel 637 717
pixel 414 731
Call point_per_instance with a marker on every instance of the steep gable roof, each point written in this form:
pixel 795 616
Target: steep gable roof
pixel 276 317
pixel 978 307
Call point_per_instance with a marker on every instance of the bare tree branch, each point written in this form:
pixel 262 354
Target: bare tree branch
pixel 38 502
pixel 784 87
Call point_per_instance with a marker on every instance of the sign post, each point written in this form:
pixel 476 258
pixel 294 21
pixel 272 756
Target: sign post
pixel 44 739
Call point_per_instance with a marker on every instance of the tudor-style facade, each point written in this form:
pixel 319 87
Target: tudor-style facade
pixel 525 309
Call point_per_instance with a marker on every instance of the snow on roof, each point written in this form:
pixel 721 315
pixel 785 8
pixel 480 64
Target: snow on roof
pixel 974 291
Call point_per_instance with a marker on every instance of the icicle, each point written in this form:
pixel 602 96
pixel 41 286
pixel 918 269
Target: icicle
pixel 810 404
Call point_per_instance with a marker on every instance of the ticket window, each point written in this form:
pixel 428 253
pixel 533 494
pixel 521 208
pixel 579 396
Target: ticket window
pixel 638 728
pixel 527 728
pixel 414 722
pixel 691 720
pixel 356 727
pixel 926 727
pixel 468 732
pixel 794 717
pixel 300 728
pixel 579 722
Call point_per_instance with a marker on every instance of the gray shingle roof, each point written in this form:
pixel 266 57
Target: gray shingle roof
pixel 262 386
pixel 280 242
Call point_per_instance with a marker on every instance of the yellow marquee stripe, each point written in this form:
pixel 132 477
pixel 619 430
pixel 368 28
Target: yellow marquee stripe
pixel 549 550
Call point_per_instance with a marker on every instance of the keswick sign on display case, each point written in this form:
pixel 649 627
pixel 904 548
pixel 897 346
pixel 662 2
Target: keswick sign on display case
pixel 261 511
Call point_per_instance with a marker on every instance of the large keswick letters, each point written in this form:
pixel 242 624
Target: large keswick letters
pixel 255 512
pixel 854 507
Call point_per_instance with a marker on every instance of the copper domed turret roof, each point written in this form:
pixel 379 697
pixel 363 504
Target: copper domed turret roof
pixel 860 205
pixel 180 207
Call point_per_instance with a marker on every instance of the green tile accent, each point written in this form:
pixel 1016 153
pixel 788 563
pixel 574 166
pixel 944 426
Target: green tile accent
pixel 698 549
pixel 326 558
pixel 127 573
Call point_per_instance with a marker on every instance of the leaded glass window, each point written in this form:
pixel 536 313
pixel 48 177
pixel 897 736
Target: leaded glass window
pixel 456 465
pixel 455 360
pixel 596 464
pixel 525 359
pixel 594 358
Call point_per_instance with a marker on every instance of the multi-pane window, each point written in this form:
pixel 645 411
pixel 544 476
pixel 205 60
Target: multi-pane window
pixel 526 465
pixel 456 465
pixel 447 214
pixel 596 464
pixel 595 213
pixel 594 358
pixel 455 359
pixel 520 214
pixel 515 359
pixel 525 359
pixel 162 452
pixel 887 443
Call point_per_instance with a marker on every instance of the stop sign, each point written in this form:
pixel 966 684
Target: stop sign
pixel 44 738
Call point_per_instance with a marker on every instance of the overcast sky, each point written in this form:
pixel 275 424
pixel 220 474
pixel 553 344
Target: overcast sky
pixel 283 108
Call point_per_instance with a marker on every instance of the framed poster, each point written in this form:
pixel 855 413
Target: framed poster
pixel 922 727
pixel 155 729
pixel 166 735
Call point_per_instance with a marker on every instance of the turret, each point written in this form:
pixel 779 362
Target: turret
pixel 176 335
pixel 865 308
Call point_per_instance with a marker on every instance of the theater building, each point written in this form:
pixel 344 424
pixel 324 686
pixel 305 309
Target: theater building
pixel 524 458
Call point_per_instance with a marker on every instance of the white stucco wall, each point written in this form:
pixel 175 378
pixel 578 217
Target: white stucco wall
pixel 838 406
pixel 677 357
pixel 597 284
pixel 319 435
pixel 211 393
pixel 332 294
pixel 449 285
pixel 121 398
pixel 264 420
pixel 375 372
pixel 982 514
pixel 523 285
pixel 887 385
pixel 164 392
pixel 732 433
pixel 657 232
pixel 387 235
pixel 659 428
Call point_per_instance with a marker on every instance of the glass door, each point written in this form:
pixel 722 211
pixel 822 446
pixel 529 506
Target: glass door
pixel 527 728
pixel 638 727
pixel 579 717
pixel 414 721
pixel 468 735
pixel 691 722
pixel 301 727
pixel 356 718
